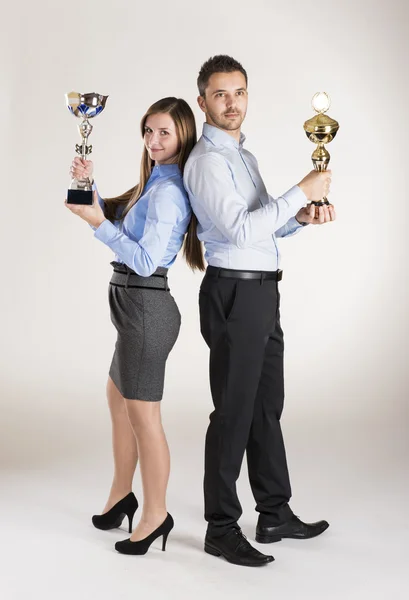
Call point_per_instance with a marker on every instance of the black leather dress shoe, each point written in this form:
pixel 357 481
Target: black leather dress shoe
pixel 235 548
pixel 293 528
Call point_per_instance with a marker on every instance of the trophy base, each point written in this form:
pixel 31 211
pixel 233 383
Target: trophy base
pixel 320 202
pixel 79 197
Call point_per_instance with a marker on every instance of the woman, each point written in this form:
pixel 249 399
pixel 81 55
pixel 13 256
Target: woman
pixel 145 227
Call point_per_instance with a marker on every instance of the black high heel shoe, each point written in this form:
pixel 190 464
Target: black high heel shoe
pixel 114 517
pixel 142 546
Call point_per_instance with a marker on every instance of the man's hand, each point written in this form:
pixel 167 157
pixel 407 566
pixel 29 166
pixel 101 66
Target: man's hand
pixel 316 185
pixel 316 215
pixel 93 215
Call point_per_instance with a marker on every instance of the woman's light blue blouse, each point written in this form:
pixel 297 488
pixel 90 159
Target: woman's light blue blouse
pixel 152 232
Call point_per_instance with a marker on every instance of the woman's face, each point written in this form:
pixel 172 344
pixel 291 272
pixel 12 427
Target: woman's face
pixel 161 139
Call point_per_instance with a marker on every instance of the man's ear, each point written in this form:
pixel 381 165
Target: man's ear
pixel 202 103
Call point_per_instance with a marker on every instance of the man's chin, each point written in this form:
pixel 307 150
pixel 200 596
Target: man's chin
pixel 231 124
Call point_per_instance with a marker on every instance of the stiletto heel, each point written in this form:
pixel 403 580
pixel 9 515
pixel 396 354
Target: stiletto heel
pixel 142 546
pixel 130 519
pixel 114 517
pixel 164 540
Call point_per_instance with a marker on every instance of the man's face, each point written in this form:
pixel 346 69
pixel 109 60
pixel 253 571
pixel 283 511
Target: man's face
pixel 225 100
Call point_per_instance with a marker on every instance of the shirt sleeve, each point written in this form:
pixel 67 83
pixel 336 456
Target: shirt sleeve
pixel 145 256
pixel 290 228
pixel 210 181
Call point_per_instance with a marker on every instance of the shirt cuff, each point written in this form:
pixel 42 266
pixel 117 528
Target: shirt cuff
pixel 295 197
pixel 294 224
pixel 106 232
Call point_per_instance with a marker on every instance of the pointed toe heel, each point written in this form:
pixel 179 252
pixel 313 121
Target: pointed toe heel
pixel 142 546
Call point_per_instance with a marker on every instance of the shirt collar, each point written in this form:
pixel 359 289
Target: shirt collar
pixel 165 170
pixel 221 138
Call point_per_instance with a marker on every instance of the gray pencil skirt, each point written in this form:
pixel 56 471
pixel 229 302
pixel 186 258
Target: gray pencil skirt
pixel 147 320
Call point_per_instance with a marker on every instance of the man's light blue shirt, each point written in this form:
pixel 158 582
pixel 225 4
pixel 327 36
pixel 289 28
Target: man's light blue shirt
pixel 152 232
pixel 238 220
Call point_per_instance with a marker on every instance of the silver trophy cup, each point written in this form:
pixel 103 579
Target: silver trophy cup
pixel 83 106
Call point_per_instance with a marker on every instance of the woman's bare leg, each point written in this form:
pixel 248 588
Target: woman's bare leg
pixel 154 461
pixel 124 447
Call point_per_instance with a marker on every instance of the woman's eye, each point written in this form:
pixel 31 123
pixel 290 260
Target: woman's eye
pixel 164 132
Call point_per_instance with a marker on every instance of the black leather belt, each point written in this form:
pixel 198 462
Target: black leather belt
pixel 130 279
pixel 236 274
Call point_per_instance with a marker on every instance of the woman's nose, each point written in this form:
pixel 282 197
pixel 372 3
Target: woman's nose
pixel 154 139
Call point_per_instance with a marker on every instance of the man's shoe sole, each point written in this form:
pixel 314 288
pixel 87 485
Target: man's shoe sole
pixel 269 539
pixel 215 552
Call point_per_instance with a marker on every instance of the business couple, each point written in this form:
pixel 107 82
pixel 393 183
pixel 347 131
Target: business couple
pixel 211 192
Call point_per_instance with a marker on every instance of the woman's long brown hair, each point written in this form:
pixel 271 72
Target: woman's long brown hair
pixel 184 120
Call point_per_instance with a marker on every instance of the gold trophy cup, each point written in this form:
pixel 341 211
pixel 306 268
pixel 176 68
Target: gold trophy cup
pixel 321 130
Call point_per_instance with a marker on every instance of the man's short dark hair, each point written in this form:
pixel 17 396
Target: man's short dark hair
pixel 217 64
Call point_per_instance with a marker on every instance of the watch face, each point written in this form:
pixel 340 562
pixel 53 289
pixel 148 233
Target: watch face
pixel 321 102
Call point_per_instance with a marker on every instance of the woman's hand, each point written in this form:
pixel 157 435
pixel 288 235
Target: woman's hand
pixel 81 168
pixel 93 215
pixel 316 215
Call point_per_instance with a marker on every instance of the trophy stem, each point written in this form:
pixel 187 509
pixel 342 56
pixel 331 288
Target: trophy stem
pixel 320 159
pixel 85 128
pixel 84 150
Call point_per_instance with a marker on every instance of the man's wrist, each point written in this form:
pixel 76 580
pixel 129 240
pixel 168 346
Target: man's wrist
pixel 303 223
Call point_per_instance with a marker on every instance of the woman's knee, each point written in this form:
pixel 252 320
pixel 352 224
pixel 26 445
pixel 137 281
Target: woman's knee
pixel 144 416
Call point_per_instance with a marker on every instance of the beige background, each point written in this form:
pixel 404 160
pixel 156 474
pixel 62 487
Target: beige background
pixel 344 292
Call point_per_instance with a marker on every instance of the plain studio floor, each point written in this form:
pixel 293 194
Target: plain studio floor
pixel 353 473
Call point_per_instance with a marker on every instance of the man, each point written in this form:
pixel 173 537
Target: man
pixel 239 314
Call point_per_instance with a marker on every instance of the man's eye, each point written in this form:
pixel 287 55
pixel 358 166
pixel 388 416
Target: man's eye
pixel 220 94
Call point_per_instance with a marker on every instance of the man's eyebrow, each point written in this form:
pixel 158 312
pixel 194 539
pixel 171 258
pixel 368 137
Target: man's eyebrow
pixel 242 89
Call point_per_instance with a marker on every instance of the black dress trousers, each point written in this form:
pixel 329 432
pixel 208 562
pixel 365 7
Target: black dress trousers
pixel 240 323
